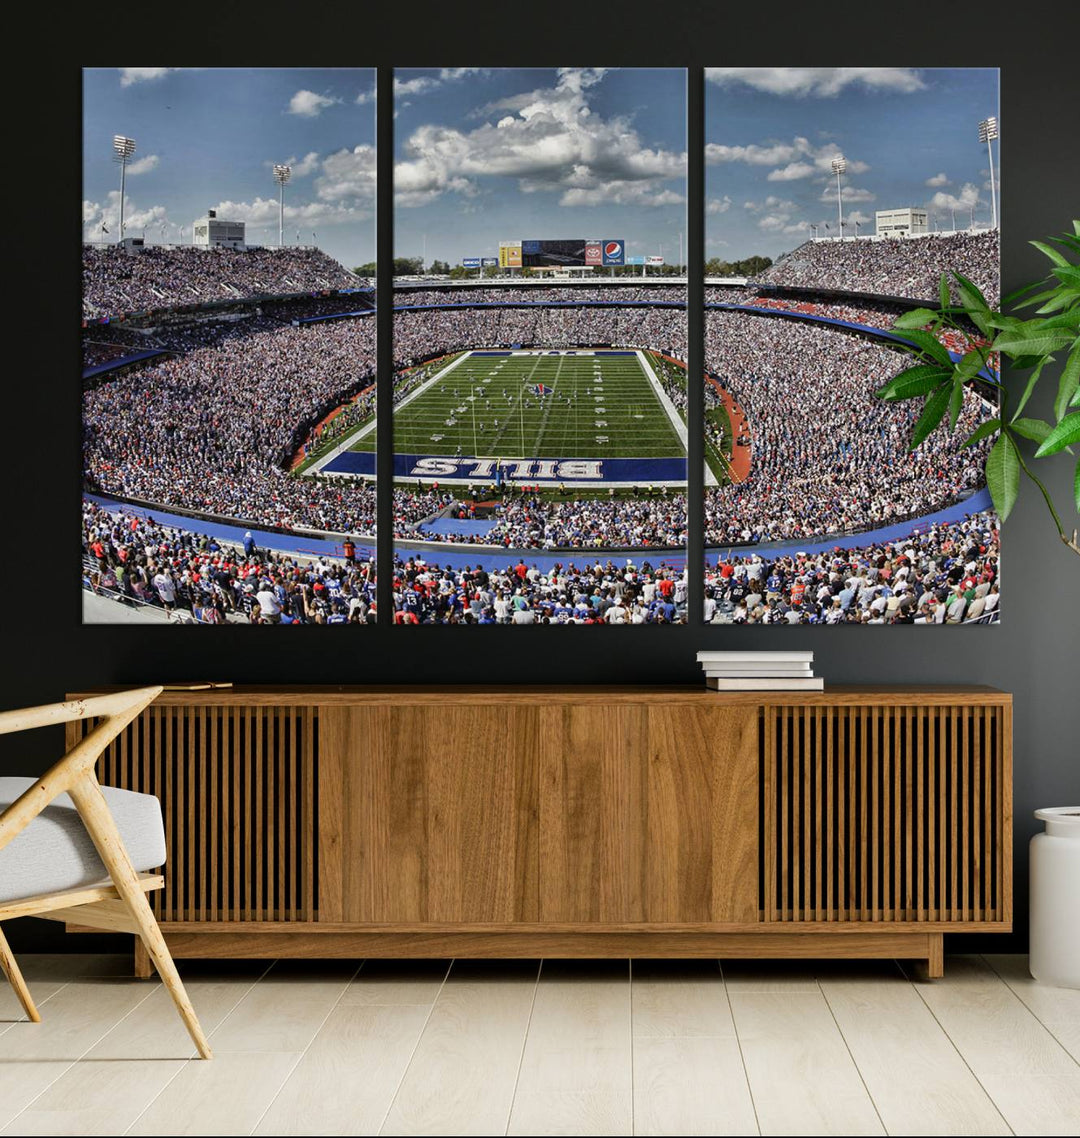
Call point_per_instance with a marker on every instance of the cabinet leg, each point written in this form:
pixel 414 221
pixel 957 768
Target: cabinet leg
pixel 143 970
pixel 935 963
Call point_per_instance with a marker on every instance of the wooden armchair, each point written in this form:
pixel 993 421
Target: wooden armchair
pixel 54 872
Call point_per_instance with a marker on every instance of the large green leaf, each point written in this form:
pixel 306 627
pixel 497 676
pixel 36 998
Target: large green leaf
pixel 969 366
pixel 956 403
pixel 1032 380
pixel 933 411
pixel 1003 474
pixel 974 301
pixel 1050 252
pixel 1067 386
pixel 1068 274
pixel 1076 486
pixel 916 318
pixel 943 291
pixel 1034 429
pixel 1064 434
pixel 982 431
pixel 1031 341
pixel 931 345
pixel 918 380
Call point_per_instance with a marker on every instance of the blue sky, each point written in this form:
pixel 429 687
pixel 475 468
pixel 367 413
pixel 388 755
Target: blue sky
pixel 207 138
pixel 910 137
pixel 483 155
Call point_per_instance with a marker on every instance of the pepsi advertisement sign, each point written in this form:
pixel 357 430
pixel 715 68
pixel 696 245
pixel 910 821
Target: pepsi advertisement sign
pixel 614 252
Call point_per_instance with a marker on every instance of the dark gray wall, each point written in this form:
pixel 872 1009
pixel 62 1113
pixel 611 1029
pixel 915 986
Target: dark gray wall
pixel 1034 653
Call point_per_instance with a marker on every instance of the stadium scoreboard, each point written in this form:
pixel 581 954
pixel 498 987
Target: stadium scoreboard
pixel 562 252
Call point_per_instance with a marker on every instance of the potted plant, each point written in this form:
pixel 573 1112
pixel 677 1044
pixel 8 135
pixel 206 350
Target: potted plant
pixel 1030 345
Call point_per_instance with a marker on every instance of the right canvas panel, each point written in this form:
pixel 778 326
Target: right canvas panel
pixel 837 199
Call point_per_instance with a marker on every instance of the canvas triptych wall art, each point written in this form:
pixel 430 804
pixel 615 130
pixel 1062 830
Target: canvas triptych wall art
pixel 542 418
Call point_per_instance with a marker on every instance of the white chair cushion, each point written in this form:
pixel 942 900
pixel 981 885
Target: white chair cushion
pixel 55 852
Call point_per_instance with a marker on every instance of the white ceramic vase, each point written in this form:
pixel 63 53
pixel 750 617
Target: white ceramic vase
pixel 1055 898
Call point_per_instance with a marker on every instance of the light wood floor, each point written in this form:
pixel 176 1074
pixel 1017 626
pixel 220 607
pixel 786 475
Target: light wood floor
pixel 426 1047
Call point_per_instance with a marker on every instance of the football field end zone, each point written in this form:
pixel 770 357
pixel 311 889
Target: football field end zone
pixel 349 440
pixel 450 470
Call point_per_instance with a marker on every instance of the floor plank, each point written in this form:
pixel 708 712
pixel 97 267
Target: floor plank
pixel 679 998
pixel 397 982
pixel 916 1078
pixel 285 1009
pixel 34 1055
pixel 576 1071
pixel 96 1097
pixel 347 1078
pixel 1058 1009
pixel 801 1076
pixel 769 975
pixel 461 1079
pixel 154 1030
pixel 227 1095
pixel 692 1084
pixel 1024 1069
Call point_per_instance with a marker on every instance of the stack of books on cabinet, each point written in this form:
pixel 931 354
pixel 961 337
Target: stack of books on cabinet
pixel 760 671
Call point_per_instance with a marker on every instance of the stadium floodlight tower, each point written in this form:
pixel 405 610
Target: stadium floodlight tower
pixel 282 174
pixel 839 166
pixel 988 131
pixel 123 149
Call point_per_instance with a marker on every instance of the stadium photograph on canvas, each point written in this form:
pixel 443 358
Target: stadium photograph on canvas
pixel 228 342
pixel 540 400
pixel 836 200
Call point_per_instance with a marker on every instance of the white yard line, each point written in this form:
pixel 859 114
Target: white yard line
pixel 672 413
pixel 349 440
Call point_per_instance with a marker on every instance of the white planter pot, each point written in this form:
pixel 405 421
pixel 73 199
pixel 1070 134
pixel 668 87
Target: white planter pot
pixel 1055 898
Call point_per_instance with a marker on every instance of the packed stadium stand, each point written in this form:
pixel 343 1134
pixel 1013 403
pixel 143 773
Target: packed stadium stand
pixel 118 280
pixel 251 380
pixel 910 267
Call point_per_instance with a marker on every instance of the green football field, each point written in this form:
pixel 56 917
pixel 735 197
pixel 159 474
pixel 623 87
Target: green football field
pixel 599 406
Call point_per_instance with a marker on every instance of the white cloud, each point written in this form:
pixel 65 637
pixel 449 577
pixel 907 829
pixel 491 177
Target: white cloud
pixel 307 165
pixel 793 160
pixel 129 75
pixel 415 86
pixel 941 179
pixel 368 96
pixel 554 142
pixel 718 205
pixel 857 215
pixel 451 73
pixel 850 194
pixel 818 81
pixel 968 197
pixel 142 165
pixel 264 211
pixel 310 104
pixel 771 202
pixel 135 220
pixel 348 176
pixel 791 172
pixel 777 215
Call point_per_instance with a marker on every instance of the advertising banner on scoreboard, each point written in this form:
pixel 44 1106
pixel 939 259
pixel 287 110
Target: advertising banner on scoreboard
pixel 614 252
pixel 510 254
pixel 653 259
pixel 594 252
pixel 471 262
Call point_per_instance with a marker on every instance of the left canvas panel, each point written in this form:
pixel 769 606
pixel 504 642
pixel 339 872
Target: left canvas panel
pixel 228 345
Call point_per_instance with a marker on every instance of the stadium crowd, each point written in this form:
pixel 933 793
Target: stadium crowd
pixel 910 267
pixel 608 593
pixel 116 282
pixel 195 578
pixel 945 574
pixel 541 294
pixel 827 456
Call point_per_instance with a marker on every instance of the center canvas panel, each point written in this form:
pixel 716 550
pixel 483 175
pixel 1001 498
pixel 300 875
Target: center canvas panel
pixel 844 206
pixel 540 346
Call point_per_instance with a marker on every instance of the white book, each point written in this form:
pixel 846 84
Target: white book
pixel 775 672
pixel 764 667
pixel 758 657
pixel 766 684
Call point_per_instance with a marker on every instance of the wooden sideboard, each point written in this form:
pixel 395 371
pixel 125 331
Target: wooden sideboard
pixel 576 821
